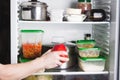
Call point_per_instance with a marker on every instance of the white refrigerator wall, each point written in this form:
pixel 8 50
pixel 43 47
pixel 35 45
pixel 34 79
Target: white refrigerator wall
pixel 70 32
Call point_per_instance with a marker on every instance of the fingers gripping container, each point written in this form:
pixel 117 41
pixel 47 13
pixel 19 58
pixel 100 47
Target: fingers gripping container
pixel 31 41
pixel 92 64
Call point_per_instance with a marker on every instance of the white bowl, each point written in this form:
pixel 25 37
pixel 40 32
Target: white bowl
pixel 76 18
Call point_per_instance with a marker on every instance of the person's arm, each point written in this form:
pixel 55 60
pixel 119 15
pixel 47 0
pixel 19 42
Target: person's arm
pixel 22 70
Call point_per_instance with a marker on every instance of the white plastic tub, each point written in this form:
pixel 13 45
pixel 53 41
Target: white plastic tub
pixel 92 64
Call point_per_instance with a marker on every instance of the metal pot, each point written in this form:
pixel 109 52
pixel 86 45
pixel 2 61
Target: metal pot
pixel 33 10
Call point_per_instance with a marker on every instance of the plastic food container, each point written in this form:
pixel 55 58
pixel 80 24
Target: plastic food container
pixel 92 64
pixel 31 41
pixel 85 43
pixel 89 52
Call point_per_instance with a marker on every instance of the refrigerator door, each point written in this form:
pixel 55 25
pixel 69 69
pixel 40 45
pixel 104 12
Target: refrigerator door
pixel 119 47
pixel 114 40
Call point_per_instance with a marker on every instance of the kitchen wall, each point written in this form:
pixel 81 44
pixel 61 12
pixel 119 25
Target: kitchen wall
pixel 5 31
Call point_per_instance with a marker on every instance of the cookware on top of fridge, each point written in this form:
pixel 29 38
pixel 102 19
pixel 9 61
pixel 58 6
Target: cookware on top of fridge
pixel 33 10
pixel 31 41
pixel 92 64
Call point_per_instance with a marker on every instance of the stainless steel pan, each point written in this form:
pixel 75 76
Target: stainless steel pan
pixel 33 10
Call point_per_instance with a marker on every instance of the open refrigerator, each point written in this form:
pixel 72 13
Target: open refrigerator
pixel 105 33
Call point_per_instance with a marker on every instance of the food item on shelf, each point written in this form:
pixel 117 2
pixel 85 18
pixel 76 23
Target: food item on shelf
pixel 89 52
pixel 85 5
pixel 44 77
pixel 92 64
pixel 73 11
pixel 96 15
pixel 39 77
pixel 31 50
pixel 31 43
pixel 87 36
pixel 85 43
pixel 32 77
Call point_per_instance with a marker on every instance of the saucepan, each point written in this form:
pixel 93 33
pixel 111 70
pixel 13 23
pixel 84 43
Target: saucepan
pixel 33 10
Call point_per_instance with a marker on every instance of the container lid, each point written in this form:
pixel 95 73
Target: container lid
pixel 81 0
pixel 95 48
pixel 33 3
pixel 88 0
pixel 22 59
pixel 32 31
pixel 85 41
pixel 93 59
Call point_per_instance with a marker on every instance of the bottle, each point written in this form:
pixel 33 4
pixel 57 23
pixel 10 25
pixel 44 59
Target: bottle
pixel 87 37
pixel 85 5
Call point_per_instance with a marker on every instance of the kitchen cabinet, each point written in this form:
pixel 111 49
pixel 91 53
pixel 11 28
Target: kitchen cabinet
pixel 71 31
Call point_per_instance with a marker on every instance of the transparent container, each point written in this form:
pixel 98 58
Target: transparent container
pixel 85 5
pixel 92 64
pixel 85 43
pixel 31 41
pixel 89 52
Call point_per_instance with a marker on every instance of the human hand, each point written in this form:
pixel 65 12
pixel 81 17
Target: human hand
pixel 53 59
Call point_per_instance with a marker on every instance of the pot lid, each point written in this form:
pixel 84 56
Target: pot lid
pixel 33 3
pixel 100 58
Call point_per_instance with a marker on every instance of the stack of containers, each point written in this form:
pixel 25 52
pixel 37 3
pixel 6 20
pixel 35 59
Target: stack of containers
pixel 89 56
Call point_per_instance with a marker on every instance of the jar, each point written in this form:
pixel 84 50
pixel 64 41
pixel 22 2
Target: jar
pixel 85 5
pixel 31 43
pixel 87 37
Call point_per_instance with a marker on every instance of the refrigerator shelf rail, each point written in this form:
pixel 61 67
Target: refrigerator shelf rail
pixel 49 22
pixel 72 73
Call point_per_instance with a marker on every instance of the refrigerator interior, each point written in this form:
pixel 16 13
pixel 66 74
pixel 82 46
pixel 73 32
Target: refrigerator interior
pixel 104 33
